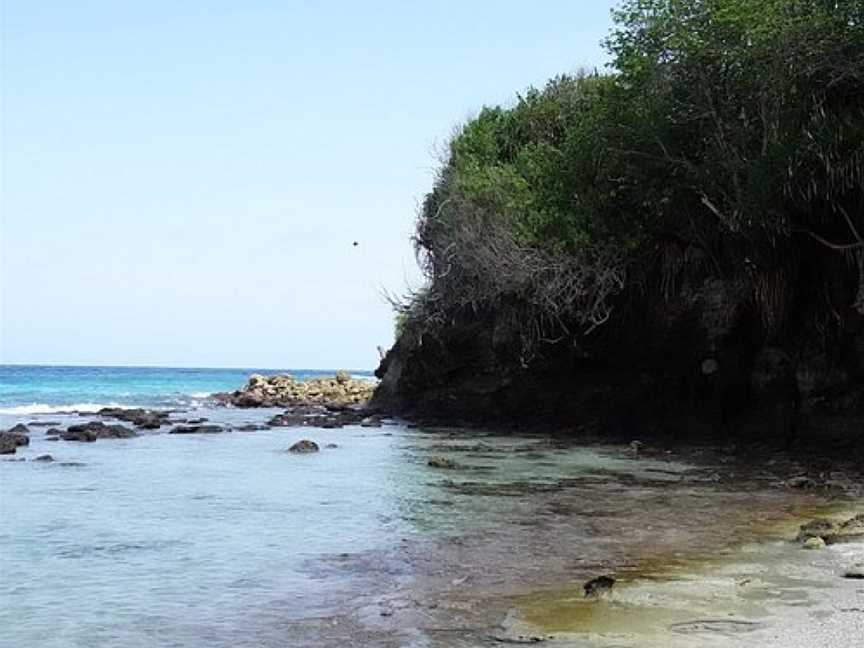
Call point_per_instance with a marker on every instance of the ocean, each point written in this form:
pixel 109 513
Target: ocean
pixel 227 540
pixel 38 389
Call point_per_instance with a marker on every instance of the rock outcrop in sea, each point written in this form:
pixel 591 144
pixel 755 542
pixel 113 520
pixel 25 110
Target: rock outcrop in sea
pixel 284 391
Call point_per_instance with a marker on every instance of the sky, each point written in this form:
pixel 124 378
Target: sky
pixel 181 183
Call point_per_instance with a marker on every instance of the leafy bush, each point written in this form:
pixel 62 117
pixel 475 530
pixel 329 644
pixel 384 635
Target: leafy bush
pixel 733 125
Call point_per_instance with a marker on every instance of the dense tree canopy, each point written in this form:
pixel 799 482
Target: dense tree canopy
pixel 736 125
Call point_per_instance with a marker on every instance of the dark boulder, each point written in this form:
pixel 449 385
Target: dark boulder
pixel 12 438
pixel 304 446
pixel 89 432
pixel 250 399
pixel 599 586
pixel 7 444
pixel 47 458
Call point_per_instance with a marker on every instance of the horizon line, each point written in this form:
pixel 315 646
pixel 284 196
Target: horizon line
pixel 157 366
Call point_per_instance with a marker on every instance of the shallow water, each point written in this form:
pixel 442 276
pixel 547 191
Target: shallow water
pixel 226 540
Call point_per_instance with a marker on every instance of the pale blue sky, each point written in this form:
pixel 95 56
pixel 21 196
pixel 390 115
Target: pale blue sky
pixel 182 181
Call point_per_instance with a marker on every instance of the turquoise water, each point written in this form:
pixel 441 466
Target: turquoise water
pixel 42 389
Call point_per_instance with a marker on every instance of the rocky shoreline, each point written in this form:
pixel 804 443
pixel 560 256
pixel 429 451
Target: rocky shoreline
pixel 327 402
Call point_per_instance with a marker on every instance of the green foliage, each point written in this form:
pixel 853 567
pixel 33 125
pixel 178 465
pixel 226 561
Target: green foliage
pixel 721 122
pixel 755 105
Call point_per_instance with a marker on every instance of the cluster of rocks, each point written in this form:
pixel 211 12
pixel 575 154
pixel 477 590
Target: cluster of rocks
pixel 323 416
pixel 821 531
pixel 140 418
pixel 11 439
pixel 285 390
pixel 89 432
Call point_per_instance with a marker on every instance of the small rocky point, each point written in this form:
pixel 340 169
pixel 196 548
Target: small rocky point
pixel 284 390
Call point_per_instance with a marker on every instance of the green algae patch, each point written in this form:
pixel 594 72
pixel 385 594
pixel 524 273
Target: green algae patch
pixel 566 612
pixel 704 592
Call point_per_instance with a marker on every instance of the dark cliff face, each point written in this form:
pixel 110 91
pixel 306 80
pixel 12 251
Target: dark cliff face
pixel 695 362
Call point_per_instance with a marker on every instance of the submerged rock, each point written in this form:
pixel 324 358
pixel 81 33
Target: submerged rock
pixel 196 429
pixel 599 586
pixel 249 427
pixel 315 415
pixel 142 418
pixel 47 458
pixel 89 432
pixel 716 626
pixel 304 446
pixel 802 481
pixel 442 462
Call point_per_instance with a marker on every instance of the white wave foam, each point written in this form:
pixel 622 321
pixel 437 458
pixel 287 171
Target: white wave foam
pixel 201 394
pixel 42 408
